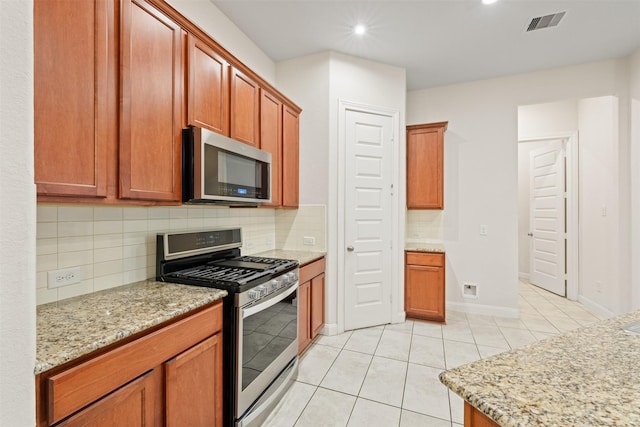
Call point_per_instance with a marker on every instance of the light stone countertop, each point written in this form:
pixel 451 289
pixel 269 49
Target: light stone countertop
pixel 586 377
pixel 424 246
pixel 76 326
pixel 303 257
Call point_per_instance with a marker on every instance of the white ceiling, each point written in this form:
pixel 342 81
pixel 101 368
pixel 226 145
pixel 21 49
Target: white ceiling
pixel 442 42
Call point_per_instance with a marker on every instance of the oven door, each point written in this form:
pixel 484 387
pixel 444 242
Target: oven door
pixel 267 337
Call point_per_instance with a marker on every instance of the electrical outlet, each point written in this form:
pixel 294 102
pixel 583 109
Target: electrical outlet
pixel 269 241
pixel 470 290
pixel 484 230
pixel 67 276
pixel 250 244
pixel 309 241
pixel 599 287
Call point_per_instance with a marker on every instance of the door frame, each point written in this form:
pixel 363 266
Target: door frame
pixel 336 239
pixel 572 209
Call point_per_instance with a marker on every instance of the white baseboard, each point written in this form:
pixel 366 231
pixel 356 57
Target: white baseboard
pixel 399 317
pixel 489 310
pixel 595 307
pixel 330 329
pixel 523 276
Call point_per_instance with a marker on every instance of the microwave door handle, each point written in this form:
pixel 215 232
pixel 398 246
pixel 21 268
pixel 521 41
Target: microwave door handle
pixel 246 312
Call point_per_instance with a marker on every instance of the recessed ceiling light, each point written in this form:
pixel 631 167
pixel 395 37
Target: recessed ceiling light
pixel 489 1
pixel 360 29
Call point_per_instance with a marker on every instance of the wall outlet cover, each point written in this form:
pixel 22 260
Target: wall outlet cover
pixel 64 277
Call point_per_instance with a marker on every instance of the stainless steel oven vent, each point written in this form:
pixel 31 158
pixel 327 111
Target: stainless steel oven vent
pixel 545 21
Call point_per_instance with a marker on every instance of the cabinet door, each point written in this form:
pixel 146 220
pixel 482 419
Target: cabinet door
pixel 245 107
pixel 193 386
pixel 317 305
pixel 271 141
pixel 151 96
pixel 138 403
pixel 304 308
pixel 425 166
pixel 208 88
pixel 290 157
pixel 71 64
pixel 424 292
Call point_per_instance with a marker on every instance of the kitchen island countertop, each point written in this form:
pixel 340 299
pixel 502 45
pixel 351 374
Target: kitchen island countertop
pixel 77 326
pixel 586 377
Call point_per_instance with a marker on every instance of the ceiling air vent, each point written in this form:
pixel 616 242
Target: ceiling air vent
pixel 545 21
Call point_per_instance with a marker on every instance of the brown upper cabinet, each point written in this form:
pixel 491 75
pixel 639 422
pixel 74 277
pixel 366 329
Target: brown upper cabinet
pixel 71 66
pixel 151 104
pixel 208 103
pixel 271 141
pixel 290 157
pixel 425 166
pixel 245 108
pixel 117 80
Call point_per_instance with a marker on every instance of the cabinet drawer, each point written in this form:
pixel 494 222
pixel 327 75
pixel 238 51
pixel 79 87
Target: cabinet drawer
pixel 311 270
pixel 425 258
pixel 81 385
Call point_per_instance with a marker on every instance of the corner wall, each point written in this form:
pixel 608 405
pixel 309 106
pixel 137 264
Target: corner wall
pixel 317 83
pixel 17 217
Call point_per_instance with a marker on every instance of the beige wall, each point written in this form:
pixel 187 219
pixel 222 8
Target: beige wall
pixel 481 171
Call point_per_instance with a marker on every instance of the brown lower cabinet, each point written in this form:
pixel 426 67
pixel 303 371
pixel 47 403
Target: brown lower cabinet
pixel 171 376
pixel 310 303
pixel 424 286
pixel 475 418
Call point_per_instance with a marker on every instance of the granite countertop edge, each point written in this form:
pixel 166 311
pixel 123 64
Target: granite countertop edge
pixel 582 377
pixel 424 246
pixel 74 327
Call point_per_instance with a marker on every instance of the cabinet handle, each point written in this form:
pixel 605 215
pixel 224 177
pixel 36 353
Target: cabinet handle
pixel 530 234
pixel 350 248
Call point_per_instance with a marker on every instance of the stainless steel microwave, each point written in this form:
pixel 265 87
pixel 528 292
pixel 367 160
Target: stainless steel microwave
pixel 218 169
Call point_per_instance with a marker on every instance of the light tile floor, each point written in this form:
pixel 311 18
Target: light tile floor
pixel 388 375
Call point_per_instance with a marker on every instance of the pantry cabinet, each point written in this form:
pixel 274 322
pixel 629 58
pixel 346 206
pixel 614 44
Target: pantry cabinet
pixel 425 166
pixel 244 108
pixel 310 302
pixel 170 376
pixel 424 289
pixel 151 102
pixel 71 102
pixel 208 87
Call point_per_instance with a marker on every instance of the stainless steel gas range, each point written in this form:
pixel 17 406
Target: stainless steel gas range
pixel 260 325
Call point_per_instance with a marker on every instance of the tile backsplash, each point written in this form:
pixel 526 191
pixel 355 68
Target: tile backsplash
pixel 424 225
pixel 114 245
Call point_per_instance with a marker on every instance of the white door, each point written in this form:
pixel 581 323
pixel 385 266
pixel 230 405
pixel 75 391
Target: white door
pixel 547 217
pixel 368 153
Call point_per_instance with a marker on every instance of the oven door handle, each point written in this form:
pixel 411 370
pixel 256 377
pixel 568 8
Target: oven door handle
pixel 246 312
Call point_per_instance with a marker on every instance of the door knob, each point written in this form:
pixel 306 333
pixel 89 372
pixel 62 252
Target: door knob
pixel 530 234
pixel 350 248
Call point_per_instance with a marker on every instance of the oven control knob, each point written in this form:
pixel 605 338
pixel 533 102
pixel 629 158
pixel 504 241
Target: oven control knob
pixel 262 290
pixel 273 285
pixel 253 295
pixel 294 276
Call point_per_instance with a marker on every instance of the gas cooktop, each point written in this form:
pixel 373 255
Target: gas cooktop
pixel 212 259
